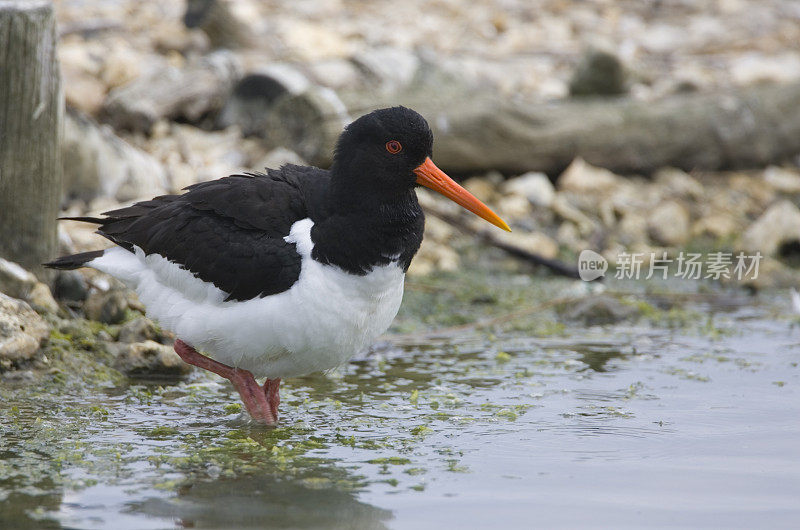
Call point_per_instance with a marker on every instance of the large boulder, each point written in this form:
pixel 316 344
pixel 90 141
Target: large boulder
pixel 109 307
pixel 777 227
pixel 669 224
pixel 17 282
pixel 150 360
pixel 534 186
pixel 784 180
pixel 22 332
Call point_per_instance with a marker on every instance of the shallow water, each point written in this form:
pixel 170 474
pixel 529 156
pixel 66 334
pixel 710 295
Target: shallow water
pixel 636 424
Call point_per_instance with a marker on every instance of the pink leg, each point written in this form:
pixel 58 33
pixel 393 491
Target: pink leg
pixel 271 392
pixel 261 403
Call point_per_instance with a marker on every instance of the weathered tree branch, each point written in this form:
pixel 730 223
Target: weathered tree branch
pixel 558 267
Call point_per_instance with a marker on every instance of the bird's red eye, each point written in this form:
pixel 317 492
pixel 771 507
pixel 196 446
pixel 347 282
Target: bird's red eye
pixel 393 146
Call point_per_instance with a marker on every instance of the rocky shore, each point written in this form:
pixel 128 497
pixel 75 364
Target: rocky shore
pixel 516 52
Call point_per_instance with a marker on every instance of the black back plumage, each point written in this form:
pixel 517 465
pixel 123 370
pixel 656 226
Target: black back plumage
pixel 230 232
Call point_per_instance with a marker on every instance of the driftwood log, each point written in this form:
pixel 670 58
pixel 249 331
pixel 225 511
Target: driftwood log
pixel 189 93
pixel 475 131
pixel 751 127
pixel 31 115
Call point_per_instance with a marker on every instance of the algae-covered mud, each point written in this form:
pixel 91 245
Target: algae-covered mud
pixel 682 413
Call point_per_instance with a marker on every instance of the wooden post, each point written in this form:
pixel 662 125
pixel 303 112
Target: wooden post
pixel 31 116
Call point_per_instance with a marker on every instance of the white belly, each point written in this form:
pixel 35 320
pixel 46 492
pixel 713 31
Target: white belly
pixel 325 318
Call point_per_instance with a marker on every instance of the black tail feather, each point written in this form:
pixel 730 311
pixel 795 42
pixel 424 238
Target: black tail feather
pixel 96 220
pixel 74 261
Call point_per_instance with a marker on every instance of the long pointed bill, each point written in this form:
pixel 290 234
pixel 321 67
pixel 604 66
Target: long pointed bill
pixel 432 177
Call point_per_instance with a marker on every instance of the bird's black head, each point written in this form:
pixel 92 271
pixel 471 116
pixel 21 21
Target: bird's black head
pixel 378 152
pixel 383 155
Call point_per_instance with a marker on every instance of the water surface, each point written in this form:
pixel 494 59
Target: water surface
pixel 692 421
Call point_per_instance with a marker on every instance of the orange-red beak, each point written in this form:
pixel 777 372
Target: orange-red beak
pixel 432 177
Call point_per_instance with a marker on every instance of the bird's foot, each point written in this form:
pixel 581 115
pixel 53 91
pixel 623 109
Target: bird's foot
pixel 254 397
pixel 261 402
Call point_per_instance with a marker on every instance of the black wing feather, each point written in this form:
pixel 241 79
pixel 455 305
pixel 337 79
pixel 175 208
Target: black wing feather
pixel 229 231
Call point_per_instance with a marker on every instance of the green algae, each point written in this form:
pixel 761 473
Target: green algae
pixel 421 430
pixel 689 375
pixel 391 460
pixel 502 357
pixel 233 408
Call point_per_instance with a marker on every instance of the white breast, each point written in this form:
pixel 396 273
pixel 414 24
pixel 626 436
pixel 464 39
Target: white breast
pixel 326 317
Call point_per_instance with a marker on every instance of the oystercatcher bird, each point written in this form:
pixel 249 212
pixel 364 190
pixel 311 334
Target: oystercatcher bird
pixel 285 273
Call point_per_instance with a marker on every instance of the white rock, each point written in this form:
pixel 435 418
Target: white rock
pixel 336 73
pixel 41 299
pixel 663 38
pixel 534 242
pixel 756 67
pixel 83 91
pixel 277 158
pixel 139 329
pixel 783 179
pixel 447 259
pixel 481 188
pixel 513 207
pixel 433 256
pixel 563 208
pixel 392 68
pixel 17 282
pixel 569 236
pixel 582 177
pixel 679 183
pixel 779 225
pixel 75 55
pixel 632 229
pixel 669 224
pixel 22 331
pixel 150 359
pixel 309 41
pixel 420 266
pixel 716 225
pixel 122 65
pixel 438 230
pixel 534 186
